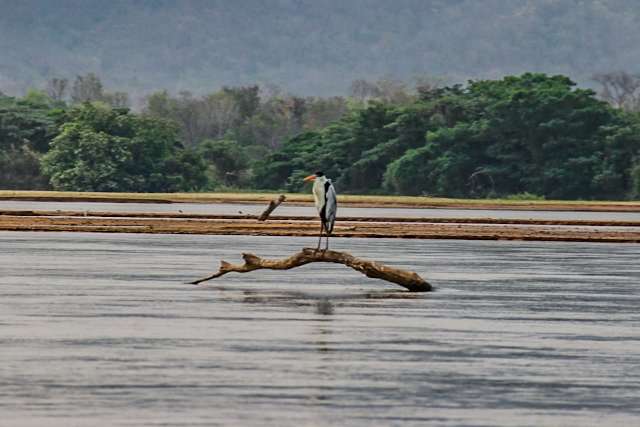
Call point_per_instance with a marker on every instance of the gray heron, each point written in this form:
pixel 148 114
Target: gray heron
pixel 324 196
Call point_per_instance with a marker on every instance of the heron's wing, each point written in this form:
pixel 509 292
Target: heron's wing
pixel 331 206
pixel 318 195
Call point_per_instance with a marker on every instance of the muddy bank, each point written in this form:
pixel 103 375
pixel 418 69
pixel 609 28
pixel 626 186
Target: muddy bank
pixel 306 199
pixel 424 228
pixel 436 220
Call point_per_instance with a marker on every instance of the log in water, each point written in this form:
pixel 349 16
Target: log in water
pixel 407 279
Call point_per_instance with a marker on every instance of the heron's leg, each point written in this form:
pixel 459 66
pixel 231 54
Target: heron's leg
pixel 320 237
pixel 327 247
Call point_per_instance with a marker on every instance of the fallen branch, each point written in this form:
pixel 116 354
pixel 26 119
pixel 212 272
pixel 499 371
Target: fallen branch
pixel 407 279
pixel 272 205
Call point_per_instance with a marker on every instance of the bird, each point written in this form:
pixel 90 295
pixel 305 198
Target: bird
pixel 326 202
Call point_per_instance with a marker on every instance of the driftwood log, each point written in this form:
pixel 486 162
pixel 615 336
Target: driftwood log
pixel 272 205
pixel 408 279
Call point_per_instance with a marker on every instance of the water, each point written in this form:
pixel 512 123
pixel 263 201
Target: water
pixel 99 329
pixel 257 209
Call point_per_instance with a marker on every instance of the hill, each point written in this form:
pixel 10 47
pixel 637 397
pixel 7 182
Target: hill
pixel 310 47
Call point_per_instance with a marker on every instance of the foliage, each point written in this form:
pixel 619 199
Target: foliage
pixel 634 194
pixel 444 165
pixel 26 127
pixel 104 149
pixel 20 170
pixel 524 197
pixel 228 159
pixel 243 114
pixel 531 133
pixel 28 121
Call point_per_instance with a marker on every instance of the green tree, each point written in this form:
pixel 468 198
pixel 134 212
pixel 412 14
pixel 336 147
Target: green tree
pixel 618 155
pixel 530 133
pixel 28 121
pixel 444 166
pixel 20 170
pixel 333 149
pixel 407 126
pixel 228 159
pixel 545 134
pixel 27 126
pixel 105 149
pixel 247 98
pixel 634 193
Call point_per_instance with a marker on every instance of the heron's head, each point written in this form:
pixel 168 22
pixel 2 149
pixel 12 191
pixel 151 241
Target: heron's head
pixel 314 176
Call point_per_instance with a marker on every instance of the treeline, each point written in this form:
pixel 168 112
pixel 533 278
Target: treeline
pixel 533 134
pixel 76 135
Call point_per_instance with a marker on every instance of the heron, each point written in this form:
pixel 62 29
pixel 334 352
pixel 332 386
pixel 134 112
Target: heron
pixel 324 196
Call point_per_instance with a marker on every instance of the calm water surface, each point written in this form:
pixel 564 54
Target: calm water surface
pixel 257 209
pixel 99 329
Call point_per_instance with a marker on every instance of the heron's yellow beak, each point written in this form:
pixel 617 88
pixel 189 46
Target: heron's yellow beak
pixel 310 178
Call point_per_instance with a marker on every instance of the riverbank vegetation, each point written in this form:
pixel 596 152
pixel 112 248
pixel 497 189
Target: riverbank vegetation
pixel 532 136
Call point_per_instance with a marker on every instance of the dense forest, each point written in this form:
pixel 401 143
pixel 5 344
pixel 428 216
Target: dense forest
pixel 532 135
pixel 258 94
pixel 309 47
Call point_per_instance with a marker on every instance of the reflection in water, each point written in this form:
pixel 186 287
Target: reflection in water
pixel 323 334
pixel 100 329
pixel 324 306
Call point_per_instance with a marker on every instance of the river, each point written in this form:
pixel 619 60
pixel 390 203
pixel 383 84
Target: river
pixel 100 329
pixel 256 209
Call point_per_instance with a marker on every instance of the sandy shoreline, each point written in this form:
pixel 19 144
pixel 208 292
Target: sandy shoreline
pixel 306 199
pixel 369 227
pixel 418 228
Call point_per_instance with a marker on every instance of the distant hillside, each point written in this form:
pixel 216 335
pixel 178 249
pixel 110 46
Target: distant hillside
pixel 310 47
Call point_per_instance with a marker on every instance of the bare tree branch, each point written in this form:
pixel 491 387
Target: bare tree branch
pixel 620 89
pixel 272 206
pixel 408 279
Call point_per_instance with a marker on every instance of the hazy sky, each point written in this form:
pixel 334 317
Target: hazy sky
pixel 309 47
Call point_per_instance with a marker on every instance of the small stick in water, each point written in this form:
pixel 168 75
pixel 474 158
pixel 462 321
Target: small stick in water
pixel 272 206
